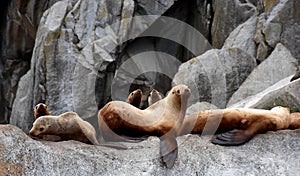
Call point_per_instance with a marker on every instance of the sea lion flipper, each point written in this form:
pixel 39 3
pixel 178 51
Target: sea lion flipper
pixel 135 139
pixel 168 150
pixel 233 137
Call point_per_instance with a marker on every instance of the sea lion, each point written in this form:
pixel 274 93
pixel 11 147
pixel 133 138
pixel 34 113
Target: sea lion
pixel 163 119
pixel 154 97
pixel 237 126
pixel 135 98
pixel 68 126
pixel 40 110
pixel 294 120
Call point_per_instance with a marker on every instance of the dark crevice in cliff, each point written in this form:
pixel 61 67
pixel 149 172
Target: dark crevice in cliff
pixel 210 13
pixel 3 11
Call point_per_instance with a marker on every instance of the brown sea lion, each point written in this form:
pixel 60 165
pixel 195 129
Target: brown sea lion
pixel 154 97
pixel 68 126
pixel 135 98
pixel 163 119
pixel 237 126
pixel 294 120
pixel 40 110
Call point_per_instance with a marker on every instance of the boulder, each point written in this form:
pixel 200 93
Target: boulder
pixel 273 153
pixel 283 93
pixel 215 75
pixel 242 37
pixel 280 64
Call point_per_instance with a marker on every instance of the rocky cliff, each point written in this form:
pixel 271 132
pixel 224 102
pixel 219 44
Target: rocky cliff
pixel 77 55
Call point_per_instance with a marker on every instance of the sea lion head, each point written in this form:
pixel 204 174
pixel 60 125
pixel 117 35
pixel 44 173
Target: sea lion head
pixel 179 95
pixel 280 109
pixel 135 98
pixel 40 110
pixel 154 97
pixel 41 126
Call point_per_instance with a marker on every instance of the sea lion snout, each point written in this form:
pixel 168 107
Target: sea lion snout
pixel 32 132
pixel 186 93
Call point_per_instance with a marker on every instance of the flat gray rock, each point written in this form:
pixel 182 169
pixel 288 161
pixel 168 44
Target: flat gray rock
pixel 273 153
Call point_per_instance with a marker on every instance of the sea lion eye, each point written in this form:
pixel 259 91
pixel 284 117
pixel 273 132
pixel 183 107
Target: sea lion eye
pixel 132 93
pixel 178 91
pixel 41 129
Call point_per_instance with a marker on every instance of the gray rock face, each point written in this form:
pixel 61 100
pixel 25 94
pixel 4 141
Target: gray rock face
pixel 242 37
pixel 279 26
pixel 280 64
pixel 273 153
pixel 19 23
pixel 75 53
pixel 226 19
pixel 283 93
pixel 215 75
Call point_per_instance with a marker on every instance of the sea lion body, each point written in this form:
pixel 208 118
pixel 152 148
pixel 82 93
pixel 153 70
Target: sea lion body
pixel 135 98
pixel 68 126
pixel 239 125
pixel 163 119
pixel 294 120
pixel 40 110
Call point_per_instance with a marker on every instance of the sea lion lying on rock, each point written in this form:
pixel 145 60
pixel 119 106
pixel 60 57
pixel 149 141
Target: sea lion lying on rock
pixel 237 126
pixel 68 126
pixel 163 119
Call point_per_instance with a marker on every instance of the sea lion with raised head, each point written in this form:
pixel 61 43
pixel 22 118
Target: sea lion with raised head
pixel 40 110
pixel 135 98
pixel 236 126
pixel 163 119
pixel 154 97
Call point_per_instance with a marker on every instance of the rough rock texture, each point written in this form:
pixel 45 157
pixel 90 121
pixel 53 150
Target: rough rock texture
pixel 279 24
pixel 199 106
pixel 19 21
pixel 226 19
pixel 215 75
pixel 283 93
pixel 75 54
pixel 274 153
pixel 280 64
pixel 242 37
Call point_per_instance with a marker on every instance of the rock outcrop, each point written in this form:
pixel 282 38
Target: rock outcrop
pixel 274 153
pixel 278 25
pixel 215 75
pixel 283 93
pixel 279 65
pixel 19 23
pixel 76 53
pixel 226 19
